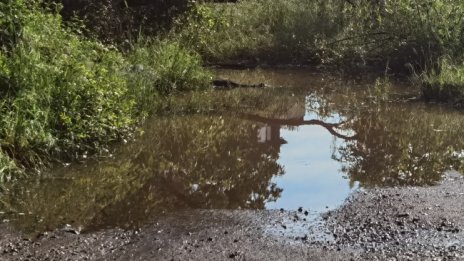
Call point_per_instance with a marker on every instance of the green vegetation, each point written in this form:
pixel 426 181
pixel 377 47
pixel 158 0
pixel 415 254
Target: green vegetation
pixel 326 31
pixel 123 21
pixel 69 90
pixel 64 95
pixel 445 85
pixel 363 34
pixel 216 162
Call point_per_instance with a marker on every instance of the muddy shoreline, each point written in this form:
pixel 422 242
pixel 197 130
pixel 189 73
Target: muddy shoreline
pixel 408 223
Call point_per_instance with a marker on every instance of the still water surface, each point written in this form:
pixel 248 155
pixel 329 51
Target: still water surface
pixel 309 142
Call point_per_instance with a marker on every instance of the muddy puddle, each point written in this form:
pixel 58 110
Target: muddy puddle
pixel 311 141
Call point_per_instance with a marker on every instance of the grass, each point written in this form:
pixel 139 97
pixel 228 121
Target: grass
pixel 64 95
pixel 446 85
pixel 162 67
pixel 325 31
pixel 336 33
pixel 266 31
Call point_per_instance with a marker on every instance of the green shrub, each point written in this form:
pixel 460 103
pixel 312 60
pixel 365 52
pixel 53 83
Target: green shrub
pixel 445 84
pixel 63 95
pixel 117 21
pixel 161 67
pixel 427 31
pixel 8 169
pixel 327 32
pixel 64 90
pixel 270 31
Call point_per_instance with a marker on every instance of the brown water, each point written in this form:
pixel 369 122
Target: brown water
pixel 309 141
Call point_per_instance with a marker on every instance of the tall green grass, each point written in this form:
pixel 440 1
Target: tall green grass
pixel 268 31
pixel 445 84
pixel 162 67
pixel 400 36
pixel 327 31
pixel 64 96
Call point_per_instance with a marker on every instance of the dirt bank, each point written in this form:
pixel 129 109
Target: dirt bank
pixel 408 223
pixel 388 224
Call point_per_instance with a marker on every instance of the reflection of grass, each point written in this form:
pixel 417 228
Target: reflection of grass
pixel 220 156
pixel 201 161
pixel 170 153
pixel 268 101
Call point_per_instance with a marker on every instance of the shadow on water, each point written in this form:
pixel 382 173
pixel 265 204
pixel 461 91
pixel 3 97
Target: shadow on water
pixel 310 144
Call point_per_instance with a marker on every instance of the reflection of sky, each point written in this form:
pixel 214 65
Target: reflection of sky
pixel 312 179
pixel 334 118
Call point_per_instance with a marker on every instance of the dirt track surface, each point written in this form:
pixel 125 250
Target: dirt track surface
pixel 386 224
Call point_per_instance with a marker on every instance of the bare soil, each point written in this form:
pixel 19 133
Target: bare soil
pixel 407 223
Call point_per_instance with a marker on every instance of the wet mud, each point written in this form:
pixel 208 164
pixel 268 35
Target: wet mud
pixel 407 223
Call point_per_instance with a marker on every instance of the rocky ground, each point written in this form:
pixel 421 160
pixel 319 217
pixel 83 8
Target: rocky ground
pixel 385 224
pixel 404 223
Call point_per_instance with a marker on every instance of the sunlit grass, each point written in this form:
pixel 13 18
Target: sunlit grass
pixel 64 95
pixel 445 84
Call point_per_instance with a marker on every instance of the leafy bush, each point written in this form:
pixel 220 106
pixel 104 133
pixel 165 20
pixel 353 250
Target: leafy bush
pixel 328 32
pixel 162 67
pixel 273 31
pixel 62 89
pixel 446 84
pixel 427 31
pixel 63 95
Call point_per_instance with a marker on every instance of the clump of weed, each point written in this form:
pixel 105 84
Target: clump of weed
pixel 62 91
pixel 445 84
pixel 162 67
pixel 64 95
pixel 326 32
pixel 266 31
pixel 8 169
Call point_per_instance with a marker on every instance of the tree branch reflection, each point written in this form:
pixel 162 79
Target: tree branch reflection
pixel 330 127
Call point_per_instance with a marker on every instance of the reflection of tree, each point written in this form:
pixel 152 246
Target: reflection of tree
pixel 400 144
pixel 182 162
pixel 213 162
pixel 330 127
pixel 204 162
